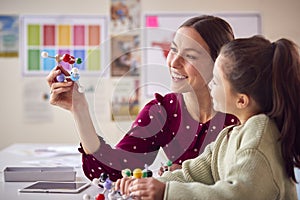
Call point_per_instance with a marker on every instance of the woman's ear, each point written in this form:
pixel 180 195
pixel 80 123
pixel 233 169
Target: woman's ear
pixel 242 101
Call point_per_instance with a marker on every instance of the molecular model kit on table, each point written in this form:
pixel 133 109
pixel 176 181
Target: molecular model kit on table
pixel 74 73
pixel 104 182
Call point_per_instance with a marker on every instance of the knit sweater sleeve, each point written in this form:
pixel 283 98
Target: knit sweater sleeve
pixel 241 182
pixel 197 169
pixel 247 175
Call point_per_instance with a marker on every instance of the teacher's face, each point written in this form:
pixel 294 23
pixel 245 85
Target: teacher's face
pixel 189 61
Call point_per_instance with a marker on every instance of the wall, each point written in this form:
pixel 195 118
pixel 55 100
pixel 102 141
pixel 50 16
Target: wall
pixel 279 19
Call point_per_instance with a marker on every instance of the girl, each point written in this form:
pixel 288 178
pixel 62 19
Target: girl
pixel 181 122
pixel 259 82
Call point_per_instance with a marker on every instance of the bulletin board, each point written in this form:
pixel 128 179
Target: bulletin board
pixel 79 36
pixel 158 33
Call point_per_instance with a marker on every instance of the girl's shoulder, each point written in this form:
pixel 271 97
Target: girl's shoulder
pixel 257 130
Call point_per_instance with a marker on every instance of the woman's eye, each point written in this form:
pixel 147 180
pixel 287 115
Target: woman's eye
pixel 189 56
pixel 173 49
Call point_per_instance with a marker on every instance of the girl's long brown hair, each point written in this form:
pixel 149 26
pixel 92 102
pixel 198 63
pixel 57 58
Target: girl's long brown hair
pixel 270 74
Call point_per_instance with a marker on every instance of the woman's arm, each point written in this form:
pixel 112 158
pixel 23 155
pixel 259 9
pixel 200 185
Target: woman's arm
pixel 87 133
pixel 138 147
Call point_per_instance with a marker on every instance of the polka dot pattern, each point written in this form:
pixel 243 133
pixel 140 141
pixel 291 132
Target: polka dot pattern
pixel 170 136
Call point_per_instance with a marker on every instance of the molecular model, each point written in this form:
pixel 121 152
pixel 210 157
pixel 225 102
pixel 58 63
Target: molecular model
pixel 167 166
pixel 108 185
pixel 74 73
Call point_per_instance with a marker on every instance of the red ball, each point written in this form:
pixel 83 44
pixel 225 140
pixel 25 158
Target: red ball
pixel 66 57
pixel 100 197
pixel 72 60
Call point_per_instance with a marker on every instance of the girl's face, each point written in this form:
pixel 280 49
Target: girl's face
pixel 223 95
pixel 189 61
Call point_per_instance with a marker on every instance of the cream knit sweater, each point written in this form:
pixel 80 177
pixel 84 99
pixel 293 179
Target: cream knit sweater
pixel 244 162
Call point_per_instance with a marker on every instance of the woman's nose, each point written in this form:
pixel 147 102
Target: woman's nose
pixel 176 60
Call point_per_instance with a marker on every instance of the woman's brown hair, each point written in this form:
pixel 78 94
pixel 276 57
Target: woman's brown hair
pixel 214 30
pixel 270 74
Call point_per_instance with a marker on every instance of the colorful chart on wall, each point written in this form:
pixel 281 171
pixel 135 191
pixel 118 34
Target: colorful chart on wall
pixel 158 34
pixel 80 36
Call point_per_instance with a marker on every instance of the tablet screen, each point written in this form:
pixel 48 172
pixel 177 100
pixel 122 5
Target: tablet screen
pixel 64 187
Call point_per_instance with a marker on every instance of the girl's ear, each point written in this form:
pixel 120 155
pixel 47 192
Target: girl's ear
pixel 242 101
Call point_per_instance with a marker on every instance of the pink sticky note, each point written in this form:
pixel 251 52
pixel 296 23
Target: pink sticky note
pixel 152 21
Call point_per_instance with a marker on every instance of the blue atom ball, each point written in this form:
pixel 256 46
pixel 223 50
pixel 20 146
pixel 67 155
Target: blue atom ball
pixel 60 78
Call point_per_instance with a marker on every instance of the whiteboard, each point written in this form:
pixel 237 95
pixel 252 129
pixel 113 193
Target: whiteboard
pixel 159 31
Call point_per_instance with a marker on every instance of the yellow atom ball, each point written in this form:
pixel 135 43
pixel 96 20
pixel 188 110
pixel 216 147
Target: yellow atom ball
pixel 137 173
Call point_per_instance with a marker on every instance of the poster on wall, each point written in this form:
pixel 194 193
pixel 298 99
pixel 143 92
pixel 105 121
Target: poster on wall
pixel 125 15
pixel 9 35
pixel 125 37
pixel 125 99
pixel 158 34
pixel 125 41
pixel 79 36
pixel 125 60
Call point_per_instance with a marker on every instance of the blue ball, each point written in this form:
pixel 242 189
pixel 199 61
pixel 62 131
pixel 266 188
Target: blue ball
pixel 60 78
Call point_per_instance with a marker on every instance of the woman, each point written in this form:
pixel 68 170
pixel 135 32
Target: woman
pixel 182 122
pixel 259 82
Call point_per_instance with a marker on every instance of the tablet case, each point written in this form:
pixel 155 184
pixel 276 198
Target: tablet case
pixel 31 174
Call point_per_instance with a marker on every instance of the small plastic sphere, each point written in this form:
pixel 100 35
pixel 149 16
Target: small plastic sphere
pixel 103 177
pixel 57 58
pixel 169 163
pixel 137 173
pixel 78 61
pixel 60 78
pixel 107 184
pixel 96 181
pixel 75 70
pixel 72 60
pixel 44 54
pixel 81 89
pixel 147 173
pixel 75 74
pixel 86 197
pixel 100 197
pixel 66 57
pixel 75 77
pixel 126 172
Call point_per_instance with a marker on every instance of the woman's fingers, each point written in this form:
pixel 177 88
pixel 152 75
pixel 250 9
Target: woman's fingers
pixel 123 185
pixel 57 87
pixel 51 78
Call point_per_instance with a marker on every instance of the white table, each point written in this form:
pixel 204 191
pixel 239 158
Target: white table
pixel 25 155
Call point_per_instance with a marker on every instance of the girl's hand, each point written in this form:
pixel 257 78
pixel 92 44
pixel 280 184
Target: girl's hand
pixel 165 168
pixel 147 188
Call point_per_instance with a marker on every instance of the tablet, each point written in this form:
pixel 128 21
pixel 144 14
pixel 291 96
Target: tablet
pixel 56 187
